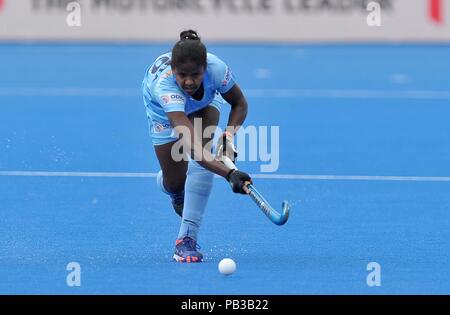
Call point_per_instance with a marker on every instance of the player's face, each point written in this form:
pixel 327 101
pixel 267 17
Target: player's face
pixel 189 76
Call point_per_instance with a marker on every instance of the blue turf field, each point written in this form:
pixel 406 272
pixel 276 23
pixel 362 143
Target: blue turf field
pixel 362 110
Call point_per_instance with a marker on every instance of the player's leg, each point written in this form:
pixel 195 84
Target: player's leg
pixel 198 187
pixel 172 177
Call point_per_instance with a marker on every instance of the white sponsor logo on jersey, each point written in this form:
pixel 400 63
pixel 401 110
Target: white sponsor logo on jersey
pixel 227 77
pixel 173 99
pixel 160 127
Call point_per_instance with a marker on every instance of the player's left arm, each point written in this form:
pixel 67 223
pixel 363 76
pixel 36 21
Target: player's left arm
pixel 239 108
pixel 238 113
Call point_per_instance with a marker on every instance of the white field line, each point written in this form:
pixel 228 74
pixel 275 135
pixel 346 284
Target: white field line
pixel 254 93
pixel 260 176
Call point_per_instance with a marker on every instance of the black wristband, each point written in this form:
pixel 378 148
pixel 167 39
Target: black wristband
pixel 229 173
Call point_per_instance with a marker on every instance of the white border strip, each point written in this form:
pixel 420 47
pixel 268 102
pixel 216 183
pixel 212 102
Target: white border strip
pixel 356 178
pixel 255 93
pixel 75 174
pixel 259 176
pixel 52 91
pixel 351 94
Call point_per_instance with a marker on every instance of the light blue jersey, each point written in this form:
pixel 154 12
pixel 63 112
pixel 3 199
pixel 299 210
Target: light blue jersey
pixel 163 95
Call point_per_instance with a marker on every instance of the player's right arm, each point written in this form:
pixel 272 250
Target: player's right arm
pixel 183 126
pixel 181 123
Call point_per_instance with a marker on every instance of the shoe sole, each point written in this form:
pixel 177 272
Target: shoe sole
pixel 188 259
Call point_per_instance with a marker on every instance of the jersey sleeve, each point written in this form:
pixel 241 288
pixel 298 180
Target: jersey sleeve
pixel 170 99
pixel 223 77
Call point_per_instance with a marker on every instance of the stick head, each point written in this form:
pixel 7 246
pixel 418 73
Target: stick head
pixel 285 210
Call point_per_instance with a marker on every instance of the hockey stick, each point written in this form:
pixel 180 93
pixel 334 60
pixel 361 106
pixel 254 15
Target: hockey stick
pixel 269 211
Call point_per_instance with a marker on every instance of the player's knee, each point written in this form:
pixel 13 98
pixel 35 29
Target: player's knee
pixel 169 184
pixel 174 185
pixel 200 180
pixel 194 168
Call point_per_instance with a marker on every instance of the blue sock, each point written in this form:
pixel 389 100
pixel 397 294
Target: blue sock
pixel 198 187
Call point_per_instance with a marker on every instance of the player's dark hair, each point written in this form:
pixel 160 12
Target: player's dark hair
pixel 189 49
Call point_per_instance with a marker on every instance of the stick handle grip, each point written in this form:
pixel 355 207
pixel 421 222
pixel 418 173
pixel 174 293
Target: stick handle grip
pixel 228 162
